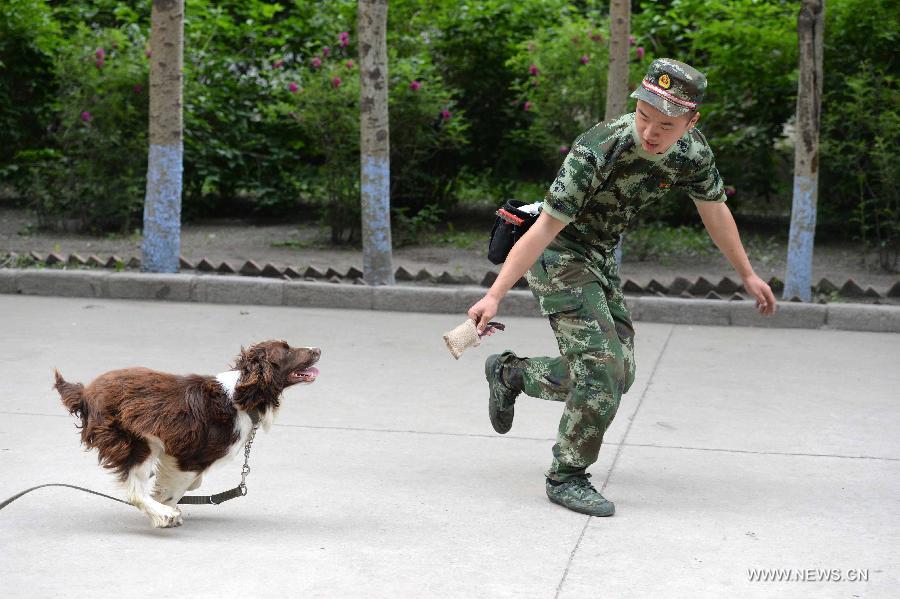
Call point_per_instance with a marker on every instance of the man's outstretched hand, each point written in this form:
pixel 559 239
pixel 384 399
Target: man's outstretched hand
pixel 483 312
pixel 762 293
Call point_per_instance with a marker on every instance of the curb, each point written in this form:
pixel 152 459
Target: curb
pixel 231 289
pixel 680 287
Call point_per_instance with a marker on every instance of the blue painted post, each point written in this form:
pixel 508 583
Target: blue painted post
pixel 162 202
pixel 374 147
pixel 162 209
pixel 810 25
pixel 798 279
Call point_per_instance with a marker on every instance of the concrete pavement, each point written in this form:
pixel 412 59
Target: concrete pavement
pixel 737 448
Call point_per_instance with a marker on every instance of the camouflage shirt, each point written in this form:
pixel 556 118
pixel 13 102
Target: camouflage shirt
pixel 607 178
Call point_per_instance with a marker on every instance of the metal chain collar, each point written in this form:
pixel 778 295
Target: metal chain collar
pixel 245 470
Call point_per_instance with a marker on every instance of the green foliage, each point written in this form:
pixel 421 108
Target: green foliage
pixel 471 43
pixel 748 51
pixel 92 176
pixel 657 241
pixel 250 141
pixel 412 230
pixel 562 85
pixel 28 36
pixel 240 59
pixel 862 162
pixel 861 124
pixel 426 125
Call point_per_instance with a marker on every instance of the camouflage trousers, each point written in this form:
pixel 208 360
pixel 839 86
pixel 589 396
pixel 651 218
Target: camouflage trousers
pixel 593 329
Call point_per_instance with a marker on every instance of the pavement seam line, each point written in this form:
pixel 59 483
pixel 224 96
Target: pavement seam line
pixel 637 408
pixel 541 439
pixel 612 466
pixel 781 453
pixel 571 558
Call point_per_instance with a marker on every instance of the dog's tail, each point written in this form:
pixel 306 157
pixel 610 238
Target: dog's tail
pixel 72 395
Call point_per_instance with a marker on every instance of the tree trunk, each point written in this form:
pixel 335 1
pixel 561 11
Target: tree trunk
pixel 162 203
pixel 810 26
pixel 617 77
pixel 375 167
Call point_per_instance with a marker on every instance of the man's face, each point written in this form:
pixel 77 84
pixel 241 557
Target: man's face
pixel 659 131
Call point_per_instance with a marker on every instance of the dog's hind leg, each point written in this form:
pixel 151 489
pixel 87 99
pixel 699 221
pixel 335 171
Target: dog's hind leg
pixel 138 489
pixel 172 482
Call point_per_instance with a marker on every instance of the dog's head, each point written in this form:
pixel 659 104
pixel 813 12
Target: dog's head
pixel 268 368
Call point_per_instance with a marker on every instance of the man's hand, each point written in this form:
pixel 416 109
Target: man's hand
pixel 526 251
pixel 760 290
pixel 720 224
pixel 483 312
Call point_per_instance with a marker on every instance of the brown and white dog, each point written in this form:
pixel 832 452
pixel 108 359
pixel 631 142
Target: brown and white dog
pixel 144 422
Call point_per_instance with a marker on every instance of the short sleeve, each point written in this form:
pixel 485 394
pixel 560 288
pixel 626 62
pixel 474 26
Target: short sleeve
pixel 573 186
pixel 705 184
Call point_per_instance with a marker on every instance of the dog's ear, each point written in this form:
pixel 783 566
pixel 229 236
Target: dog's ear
pixel 257 382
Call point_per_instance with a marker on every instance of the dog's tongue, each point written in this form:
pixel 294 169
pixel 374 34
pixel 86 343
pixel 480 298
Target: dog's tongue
pixel 312 371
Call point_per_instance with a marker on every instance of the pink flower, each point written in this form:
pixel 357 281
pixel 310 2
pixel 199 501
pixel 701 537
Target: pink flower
pixel 86 116
pixel 349 64
pixel 533 69
pixel 100 53
pixel 527 105
pixel 415 85
pixel 446 114
pixel 344 39
pixel 293 87
pixel 326 51
pixel 730 190
pixel 316 62
pixel 278 64
pixel 138 88
pixel 639 51
pixel 148 53
pixel 336 82
pixel 563 149
pixel 585 58
pixel 99 63
pixel 631 40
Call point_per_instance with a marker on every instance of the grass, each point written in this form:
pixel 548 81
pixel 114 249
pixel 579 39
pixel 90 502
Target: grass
pixel 661 243
pixel 463 240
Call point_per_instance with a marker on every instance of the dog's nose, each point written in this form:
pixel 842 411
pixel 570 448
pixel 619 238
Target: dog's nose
pixel 316 352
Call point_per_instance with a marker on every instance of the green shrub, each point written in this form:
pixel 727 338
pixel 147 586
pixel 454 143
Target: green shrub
pixel 657 241
pixel 748 51
pixel 561 85
pixel 860 161
pixel 28 37
pixel 92 174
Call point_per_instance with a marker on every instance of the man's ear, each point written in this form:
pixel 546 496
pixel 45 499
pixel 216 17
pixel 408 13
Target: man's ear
pixel 695 119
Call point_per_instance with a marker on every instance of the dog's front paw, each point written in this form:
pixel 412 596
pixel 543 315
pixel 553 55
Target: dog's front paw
pixel 169 519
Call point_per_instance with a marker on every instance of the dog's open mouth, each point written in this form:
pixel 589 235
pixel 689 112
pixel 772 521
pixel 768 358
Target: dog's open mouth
pixel 307 375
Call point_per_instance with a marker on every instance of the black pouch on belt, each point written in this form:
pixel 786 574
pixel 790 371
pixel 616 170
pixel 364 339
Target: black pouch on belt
pixel 510 226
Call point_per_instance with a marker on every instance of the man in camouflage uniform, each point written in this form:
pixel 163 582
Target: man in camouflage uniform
pixel 612 172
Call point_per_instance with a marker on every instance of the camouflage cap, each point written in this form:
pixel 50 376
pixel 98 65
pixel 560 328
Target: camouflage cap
pixel 672 87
